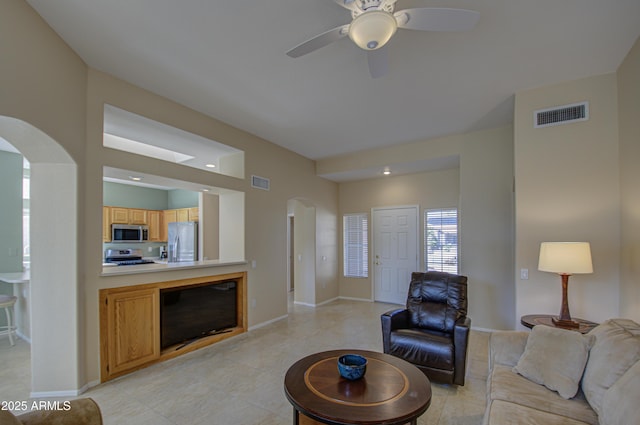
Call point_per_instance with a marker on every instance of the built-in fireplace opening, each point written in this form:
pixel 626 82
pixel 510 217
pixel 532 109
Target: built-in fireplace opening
pixel 189 313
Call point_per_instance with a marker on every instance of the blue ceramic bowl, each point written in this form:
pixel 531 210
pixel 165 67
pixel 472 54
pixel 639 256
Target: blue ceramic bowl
pixel 352 366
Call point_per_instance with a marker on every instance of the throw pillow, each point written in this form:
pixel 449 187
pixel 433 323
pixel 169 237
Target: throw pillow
pixel 555 358
pixel 620 402
pixel 615 349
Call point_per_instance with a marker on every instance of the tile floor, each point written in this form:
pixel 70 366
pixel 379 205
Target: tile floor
pixel 239 381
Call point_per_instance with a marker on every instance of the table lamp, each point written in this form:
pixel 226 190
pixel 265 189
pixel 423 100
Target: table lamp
pixel 565 259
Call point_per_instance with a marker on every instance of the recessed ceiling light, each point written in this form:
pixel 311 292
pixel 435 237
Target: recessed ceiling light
pixel 386 172
pixel 135 178
pixel 205 190
pixel 210 166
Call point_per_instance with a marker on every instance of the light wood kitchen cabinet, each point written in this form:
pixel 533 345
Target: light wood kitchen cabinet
pixel 131 331
pixel 194 214
pixel 156 220
pixel 155 226
pixel 138 216
pixel 182 214
pixel 106 224
pixel 119 215
pixel 168 216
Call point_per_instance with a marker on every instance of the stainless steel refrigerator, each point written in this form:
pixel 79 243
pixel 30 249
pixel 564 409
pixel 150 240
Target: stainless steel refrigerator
pixel 183 241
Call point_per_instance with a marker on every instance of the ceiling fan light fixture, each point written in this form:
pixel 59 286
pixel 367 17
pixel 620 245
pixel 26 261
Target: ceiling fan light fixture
pixel 373 29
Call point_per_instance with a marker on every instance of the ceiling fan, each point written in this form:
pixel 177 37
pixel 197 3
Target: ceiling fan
pixel 374 23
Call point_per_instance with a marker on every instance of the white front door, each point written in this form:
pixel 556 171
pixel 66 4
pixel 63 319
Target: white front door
pixel 395 252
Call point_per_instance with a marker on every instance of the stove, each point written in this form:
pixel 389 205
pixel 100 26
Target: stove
pixel 125 257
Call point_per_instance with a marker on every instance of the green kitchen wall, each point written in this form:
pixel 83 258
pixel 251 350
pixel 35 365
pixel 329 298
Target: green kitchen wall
pixel 10 219
pixel 128 196
pixel 179 198
pixel 10 212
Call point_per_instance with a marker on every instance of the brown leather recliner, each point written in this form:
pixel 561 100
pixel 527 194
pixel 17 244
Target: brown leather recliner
pixel 432 332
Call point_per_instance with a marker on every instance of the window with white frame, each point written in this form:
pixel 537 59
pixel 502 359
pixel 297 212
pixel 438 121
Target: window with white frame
pixel 356 245
pixel 26 207
pixel 441 240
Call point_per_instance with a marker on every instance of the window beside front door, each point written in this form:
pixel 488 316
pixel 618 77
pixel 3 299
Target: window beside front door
pixel 441 240
pixel 356 245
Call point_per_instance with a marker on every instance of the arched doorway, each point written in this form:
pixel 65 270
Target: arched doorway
pixel 54 291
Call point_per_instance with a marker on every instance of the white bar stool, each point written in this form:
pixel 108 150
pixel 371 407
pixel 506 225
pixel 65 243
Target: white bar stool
pixel 7 302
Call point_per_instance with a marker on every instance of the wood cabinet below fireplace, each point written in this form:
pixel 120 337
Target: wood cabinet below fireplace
pixel 130 332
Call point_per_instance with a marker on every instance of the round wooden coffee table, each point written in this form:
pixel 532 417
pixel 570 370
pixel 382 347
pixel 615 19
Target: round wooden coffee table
pixel 392 392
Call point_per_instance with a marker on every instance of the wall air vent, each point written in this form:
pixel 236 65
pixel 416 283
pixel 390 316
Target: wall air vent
pixel 561 115
pixel 260 182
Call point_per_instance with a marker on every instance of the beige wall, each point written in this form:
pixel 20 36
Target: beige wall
pixel 42 110
pixel 437 189
pixel 567 189
pixel 481 188
pixel 209 226
pixel 629 129
pixel 486 226
pixel 265 211
pixel 45 84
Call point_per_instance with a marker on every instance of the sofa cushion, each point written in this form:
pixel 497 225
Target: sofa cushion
pixel 555 358
pixel 7 418
pixel 504 384
pixel 423 348
pixel 616 348
pixel 506 347
pixel 505 413
pixel 620 405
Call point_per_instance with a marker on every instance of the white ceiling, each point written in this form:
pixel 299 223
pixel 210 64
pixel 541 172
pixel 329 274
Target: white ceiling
pixel 227 59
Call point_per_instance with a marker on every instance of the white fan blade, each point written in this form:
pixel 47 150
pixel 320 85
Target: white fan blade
pixel 437 19
pixel 319 41
pixel 378 62
pixel 347 4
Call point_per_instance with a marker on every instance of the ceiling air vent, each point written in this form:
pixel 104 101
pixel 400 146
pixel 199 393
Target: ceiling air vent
pixel 260 182
pixel 561 115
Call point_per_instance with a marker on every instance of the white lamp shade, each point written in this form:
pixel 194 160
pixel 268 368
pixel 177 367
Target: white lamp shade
pixel 565 257
pixel 371 30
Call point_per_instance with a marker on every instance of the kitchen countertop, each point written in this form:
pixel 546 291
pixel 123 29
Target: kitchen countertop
pixel 163 266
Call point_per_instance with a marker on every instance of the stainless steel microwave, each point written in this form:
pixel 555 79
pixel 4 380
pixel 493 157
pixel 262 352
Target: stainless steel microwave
pixel 129 233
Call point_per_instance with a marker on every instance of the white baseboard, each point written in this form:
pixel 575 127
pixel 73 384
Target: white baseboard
pixel 68 393
pixel 16 333
pixel 327 301
pixel 55 394
pixel 356 299
pixel 268 322
pixel 23 337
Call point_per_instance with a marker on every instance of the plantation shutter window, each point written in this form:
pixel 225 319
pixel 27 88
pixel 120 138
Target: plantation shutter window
pixel 356 245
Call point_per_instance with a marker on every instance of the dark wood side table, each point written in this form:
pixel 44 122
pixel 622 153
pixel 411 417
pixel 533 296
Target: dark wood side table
pixel 532 320
pixel 392 391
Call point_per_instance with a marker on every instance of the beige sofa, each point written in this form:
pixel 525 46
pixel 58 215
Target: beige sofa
pixel 82 411
pixel 607 382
